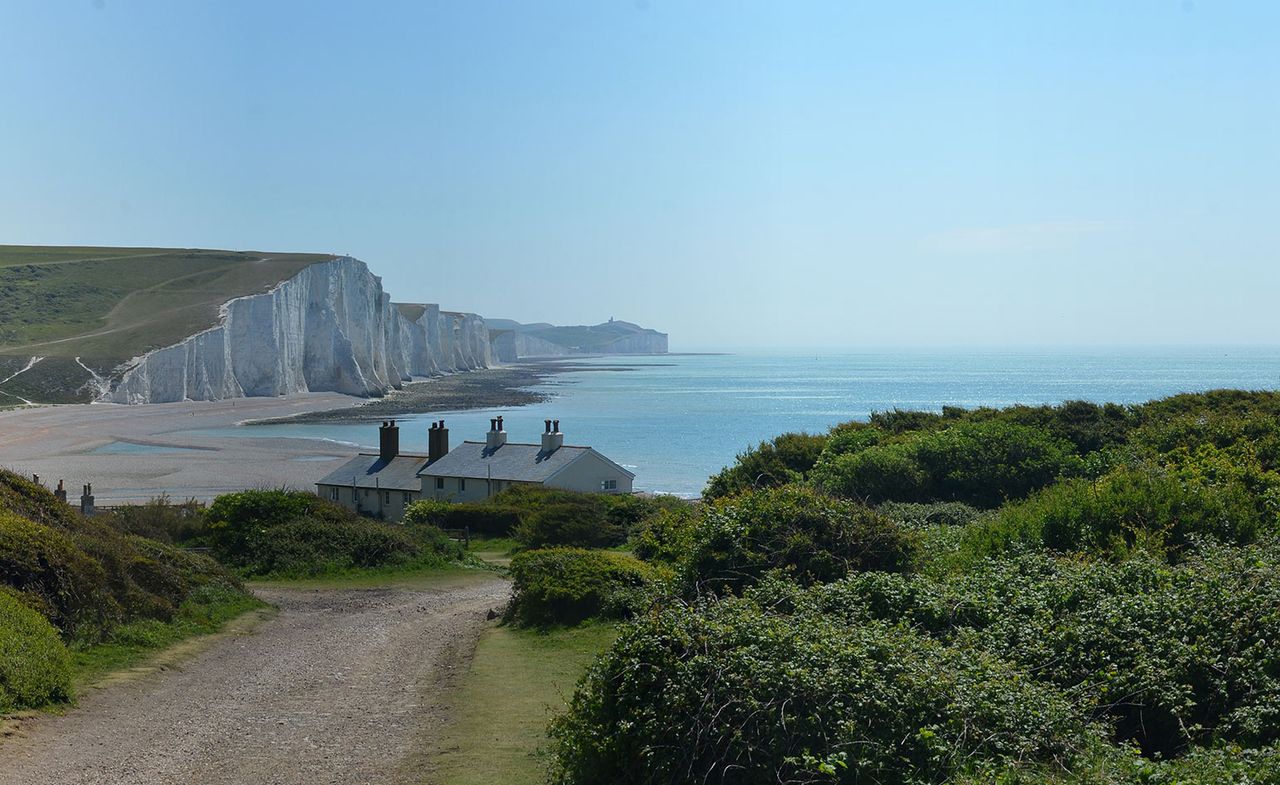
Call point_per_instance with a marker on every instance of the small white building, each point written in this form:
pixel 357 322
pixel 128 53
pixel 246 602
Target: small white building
pixel 382 484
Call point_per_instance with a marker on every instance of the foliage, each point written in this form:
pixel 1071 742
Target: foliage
pixel 916 515
pixel 568 585
pixel 810 536
pixel 540 517
pixel 281 533
pixel 87 580
pixel 733 692
pixel 35 668
pixel 785 459
pixel 980 463
pixel 160 519
pixel 482 519
pixel 1168 656
pixel 668 536
pixel 1130 507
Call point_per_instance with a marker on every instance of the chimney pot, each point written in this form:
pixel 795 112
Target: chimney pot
pixel 555 424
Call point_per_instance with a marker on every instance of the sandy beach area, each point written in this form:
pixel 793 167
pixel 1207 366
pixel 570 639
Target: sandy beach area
pixel 133 453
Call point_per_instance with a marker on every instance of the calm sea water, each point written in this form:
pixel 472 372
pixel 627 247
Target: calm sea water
pixel 675 420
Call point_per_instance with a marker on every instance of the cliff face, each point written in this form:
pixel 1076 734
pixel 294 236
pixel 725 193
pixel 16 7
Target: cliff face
pixel 512 340
pixel 329 328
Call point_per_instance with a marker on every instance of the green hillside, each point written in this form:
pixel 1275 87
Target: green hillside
pixel 105 305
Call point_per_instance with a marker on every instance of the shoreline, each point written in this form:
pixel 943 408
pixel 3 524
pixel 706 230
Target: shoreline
pixel 487 388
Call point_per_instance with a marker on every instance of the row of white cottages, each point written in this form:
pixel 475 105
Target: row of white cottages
pixel 381 484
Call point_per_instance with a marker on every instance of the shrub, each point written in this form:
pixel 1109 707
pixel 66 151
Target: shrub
pixel 668 536
pixel 579 522
pixel 1130 507
pixel 918 516
pixel 810 536
pixel 35 668
pixel 71 587
pixel 485 520
pixel 234 518
pixel 979 463
pixel 159 519
pixel 785 459
pixel 730 692
pixel 1169 656
pixel 568 585
pixel 890 471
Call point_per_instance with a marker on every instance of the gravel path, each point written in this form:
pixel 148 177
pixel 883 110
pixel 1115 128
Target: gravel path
pixel 342 686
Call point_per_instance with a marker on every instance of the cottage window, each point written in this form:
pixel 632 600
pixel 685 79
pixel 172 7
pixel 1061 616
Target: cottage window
pixel 353 494
pixel 609 485
pixel 406 497
pixel 386 497
pixel 462 484
pixel 333 493
pixel 439 483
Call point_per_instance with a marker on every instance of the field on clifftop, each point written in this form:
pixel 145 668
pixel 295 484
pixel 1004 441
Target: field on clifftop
pixel 83 310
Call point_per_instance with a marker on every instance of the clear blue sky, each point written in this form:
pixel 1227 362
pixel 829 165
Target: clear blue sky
pixel 843 174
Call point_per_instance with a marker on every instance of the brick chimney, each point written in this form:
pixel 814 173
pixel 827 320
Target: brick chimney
pixel 86 501
pixel 552 439
pixel 388 441
pixel 497 436
pixel 437 442
pixel 61 492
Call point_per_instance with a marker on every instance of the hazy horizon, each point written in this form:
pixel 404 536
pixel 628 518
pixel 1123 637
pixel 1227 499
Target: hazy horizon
pixel 801 176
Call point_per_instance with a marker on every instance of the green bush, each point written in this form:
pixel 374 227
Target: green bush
pixel 668 536
pixel 812 537
pixel 293 533
pixel 1168 656
pixel 916 515
pixel 732 692
pixel 71 587
pixel 579 522
pixel 233 519
pixel 785 459
pixel 887 472
pixel 1129 508
pixel 569 585
pixel 484 520
pixel 35 668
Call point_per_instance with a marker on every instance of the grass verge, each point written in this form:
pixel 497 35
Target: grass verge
pixel 517 681
pixel 206 612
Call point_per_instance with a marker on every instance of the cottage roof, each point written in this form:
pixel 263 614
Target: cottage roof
pixel 370 471
pixel 512 461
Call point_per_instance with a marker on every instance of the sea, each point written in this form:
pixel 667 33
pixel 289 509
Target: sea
pixel 676 419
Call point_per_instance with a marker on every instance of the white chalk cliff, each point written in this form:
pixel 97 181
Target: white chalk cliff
pixel 329 328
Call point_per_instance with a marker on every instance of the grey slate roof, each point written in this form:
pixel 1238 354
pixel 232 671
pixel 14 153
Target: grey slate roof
pixel 370 471
pixel 511 461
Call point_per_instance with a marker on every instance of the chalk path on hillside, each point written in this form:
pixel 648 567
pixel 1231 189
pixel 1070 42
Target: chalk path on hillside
pixel 342 686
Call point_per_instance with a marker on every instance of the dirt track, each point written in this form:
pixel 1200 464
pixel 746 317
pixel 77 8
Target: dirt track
pixel 342 686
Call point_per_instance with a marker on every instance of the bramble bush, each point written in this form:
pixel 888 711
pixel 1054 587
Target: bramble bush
pixel 978 463
pixel 1169 656
pixel 812 537
pixel 1146 508
pixel 552 586
pixel 730 691
pixel 786 459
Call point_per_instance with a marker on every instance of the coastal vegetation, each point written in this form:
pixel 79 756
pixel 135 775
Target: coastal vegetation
pixel 76 594
pixel 1058 594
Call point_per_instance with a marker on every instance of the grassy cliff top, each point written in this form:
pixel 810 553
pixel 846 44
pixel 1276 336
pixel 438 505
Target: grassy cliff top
pixel 116 303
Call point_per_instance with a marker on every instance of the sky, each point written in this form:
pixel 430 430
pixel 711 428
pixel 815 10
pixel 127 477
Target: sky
pixel 838 175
